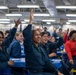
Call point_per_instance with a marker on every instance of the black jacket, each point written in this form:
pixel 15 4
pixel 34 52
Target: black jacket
pixel 50 47
pixel 15 49
pixel 4 56
pixel 36 59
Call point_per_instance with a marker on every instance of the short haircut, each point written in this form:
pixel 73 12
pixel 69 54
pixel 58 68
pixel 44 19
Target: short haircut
pixel 43 33
pixel 60 29
pixel 45 27
pixel 2 34
pixel 71 33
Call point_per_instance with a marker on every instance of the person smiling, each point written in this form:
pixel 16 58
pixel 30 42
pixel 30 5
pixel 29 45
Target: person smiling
pixel 36 58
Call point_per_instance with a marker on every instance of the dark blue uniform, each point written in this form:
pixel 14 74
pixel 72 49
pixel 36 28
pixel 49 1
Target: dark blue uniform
pixel 50 47
pixel 15 49
pixel 36 58
pixel 4 56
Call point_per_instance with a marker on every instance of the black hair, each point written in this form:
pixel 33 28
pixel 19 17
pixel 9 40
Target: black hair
pixel 71 33
pixel 43 33
pixel 60 29
pixel 45 27
pixel 2 34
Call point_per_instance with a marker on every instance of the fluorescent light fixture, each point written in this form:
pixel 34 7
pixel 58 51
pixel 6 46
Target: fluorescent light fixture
pixel 3 7
pixel 4 22
pixel 66 7
pixel 41 14
pixel 48 20
pixel 13 14
pixel 26 20
pixel 71 15
pixel 71 20
pixel 24 25
pixel 23 22
pixel 4 19
pixel 28 6
pixel 67 22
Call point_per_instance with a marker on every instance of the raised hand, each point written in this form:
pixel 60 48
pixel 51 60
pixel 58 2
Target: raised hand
pixel 17 22
pixel 31 16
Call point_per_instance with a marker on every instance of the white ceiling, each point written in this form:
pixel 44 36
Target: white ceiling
pixel 46 6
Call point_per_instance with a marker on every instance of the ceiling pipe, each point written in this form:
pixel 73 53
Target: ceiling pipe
pixel 50 6
pixel 66 2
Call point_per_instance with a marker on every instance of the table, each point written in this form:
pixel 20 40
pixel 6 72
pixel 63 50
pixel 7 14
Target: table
pixel 20 62
pixel 56 62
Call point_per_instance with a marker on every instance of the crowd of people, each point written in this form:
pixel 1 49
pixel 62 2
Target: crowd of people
pixel 37 47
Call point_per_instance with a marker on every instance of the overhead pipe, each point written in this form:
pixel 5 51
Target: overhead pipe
pixel 50 6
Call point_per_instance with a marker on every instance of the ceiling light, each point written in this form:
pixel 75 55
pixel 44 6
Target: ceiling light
pixel 13 14
pixel 71 15
pixel 67 22
pixel 66 7
pixel 3 7
pixel 41 14
pixel 4 22
pixel 48 20
pixel 23 22
pixel 28 6
pixel 71 20
pixel 26 20
pixel 4 19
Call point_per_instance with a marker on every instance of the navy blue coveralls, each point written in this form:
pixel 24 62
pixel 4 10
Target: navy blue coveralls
pixel 36 58
pixel 4 56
